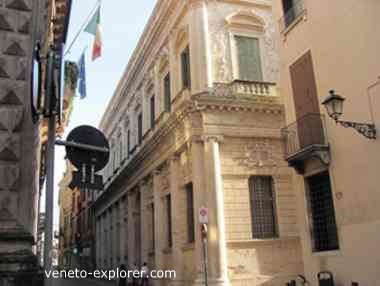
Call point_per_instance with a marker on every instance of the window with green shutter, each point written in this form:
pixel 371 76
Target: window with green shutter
pixel 249 59
pixel 152 111
pixel 185 67
pixel 167 93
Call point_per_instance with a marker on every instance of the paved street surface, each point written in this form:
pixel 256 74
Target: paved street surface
pixel 82 282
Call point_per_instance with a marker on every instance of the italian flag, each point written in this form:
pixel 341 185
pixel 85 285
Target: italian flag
pixel 93 27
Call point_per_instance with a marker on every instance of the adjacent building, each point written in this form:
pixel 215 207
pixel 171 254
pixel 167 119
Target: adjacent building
pixel 196 122
pixel 76 226
pixel 23 23
pixel 323 48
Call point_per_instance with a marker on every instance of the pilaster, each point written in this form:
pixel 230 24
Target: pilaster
pixel 217 246
pixel 200 51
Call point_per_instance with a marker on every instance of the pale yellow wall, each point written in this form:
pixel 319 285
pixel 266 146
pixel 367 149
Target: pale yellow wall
pixel 343 39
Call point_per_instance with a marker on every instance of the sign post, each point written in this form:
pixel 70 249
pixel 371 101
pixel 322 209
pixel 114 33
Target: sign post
pixel 203 221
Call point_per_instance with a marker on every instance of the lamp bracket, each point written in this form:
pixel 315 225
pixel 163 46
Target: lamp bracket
pixel 367 130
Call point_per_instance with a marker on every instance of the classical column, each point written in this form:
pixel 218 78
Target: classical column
pixel 98 239
pixel 217 246
pixel 116 236
pixel 122 230
pixel 200 52
pixel 159 221
pixel 131 229
pixel 198 176
pixel 176 221
pixel 144 222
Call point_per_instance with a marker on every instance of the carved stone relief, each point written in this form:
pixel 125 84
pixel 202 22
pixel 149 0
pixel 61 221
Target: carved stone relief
pixel 259 154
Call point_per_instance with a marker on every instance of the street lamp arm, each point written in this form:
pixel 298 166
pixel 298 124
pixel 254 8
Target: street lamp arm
pixel 366 129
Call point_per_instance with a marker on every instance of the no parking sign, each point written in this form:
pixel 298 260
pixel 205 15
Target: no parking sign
pixel 203 215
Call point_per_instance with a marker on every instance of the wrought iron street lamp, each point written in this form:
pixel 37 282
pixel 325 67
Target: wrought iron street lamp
pixel 334 107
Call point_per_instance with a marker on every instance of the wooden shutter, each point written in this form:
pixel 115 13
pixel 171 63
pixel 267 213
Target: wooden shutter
pixel 249 58
pixel 167 93
pixel 309 123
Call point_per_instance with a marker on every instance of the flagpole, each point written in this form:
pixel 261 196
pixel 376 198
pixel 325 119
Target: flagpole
pixel 83 26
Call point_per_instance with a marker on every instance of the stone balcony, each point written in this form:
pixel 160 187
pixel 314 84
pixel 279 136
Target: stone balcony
pixel 264 92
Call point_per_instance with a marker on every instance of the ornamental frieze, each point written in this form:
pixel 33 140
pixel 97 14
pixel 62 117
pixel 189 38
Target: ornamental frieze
pixel 259 154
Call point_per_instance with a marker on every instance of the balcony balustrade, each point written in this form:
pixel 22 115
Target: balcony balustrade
pixel 245 89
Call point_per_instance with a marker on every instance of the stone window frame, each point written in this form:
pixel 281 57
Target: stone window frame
pixel 181 43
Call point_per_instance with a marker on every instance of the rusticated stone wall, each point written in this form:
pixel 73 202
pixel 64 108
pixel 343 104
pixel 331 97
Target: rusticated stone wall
pixel 19 27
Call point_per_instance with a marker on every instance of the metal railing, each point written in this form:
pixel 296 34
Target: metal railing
pixel 292 14
pixel 307 131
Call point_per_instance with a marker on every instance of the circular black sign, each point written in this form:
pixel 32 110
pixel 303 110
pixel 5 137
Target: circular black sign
pixel 35 83
pixel 89 136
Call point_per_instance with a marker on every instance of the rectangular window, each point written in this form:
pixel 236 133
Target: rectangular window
pixel 129 142
pixel 249 58
pixel 167 93
pixel 169 219
pixel 292 10
pixel 190 213
pixel 152 226
pixel 185 67
pixel 324 229
pixel 140 128
pixel 262 207
pixel 152 111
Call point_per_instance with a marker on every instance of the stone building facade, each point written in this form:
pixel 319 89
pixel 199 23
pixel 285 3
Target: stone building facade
pixel 22 24
pixel 195 122
pixel 325 48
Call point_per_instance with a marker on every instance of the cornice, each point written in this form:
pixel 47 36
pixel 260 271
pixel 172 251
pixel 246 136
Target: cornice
pixel 159 18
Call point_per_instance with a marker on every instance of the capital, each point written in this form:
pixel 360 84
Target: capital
pixel 213 138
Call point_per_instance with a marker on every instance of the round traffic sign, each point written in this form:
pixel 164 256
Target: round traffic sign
pixel 87 135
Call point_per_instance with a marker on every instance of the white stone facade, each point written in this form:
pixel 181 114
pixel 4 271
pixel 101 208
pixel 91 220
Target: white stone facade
pixel 216 136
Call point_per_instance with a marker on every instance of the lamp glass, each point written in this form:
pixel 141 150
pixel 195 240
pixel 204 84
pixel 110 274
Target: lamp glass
pixel 334 105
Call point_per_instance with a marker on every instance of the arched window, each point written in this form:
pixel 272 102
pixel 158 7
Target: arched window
pixel 263 207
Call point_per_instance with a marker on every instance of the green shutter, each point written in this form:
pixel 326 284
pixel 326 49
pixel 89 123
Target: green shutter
pixel 167 95
pixel 249 58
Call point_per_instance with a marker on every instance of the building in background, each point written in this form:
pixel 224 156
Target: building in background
pixel 195 122
pixel 22 24
pixel 65 202
pixel 324 48
pixel 76 227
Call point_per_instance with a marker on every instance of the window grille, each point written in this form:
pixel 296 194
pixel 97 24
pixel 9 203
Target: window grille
pixel 324 230
pixel 190 213
pixel 262 207
pixel 169 220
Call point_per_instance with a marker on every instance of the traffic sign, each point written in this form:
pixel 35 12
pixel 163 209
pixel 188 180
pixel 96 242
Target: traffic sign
pixel 79 157
pixel 80 182
pixel 203 215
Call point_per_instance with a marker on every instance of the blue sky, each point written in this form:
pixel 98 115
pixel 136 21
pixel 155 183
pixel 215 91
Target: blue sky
pixel 122 23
